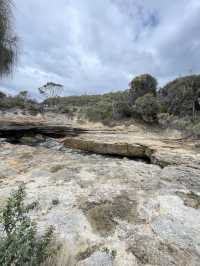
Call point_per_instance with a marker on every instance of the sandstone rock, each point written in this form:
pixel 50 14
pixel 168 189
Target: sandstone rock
pixel 157 151
pixel 98 258
pixel 112 211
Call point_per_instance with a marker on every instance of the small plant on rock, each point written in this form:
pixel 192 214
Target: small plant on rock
pixel 19 241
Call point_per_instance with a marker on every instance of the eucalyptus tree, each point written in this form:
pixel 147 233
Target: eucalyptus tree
pixel 51 91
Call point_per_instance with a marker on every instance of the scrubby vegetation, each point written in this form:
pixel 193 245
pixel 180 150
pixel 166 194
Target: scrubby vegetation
pixel 181 96
pixel 21 101
pixel 142 85
pixel 147 107
pixel 139 102
pixel 92 107
pixel 176 105
pixel 20 243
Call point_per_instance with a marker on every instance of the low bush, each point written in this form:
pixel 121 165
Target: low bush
pixel 181 96
pixel 147 107
pixel 20 102
pixel 100 113
pixel 19 240
pixel 195 130
pixel 142 85
pixel 121 109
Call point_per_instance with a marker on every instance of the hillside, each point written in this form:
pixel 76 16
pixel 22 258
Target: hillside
pixel 176 105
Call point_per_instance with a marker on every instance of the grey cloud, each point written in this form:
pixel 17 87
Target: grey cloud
pixel 96 46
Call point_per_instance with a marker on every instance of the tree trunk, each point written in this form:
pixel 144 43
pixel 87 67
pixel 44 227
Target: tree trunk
pixel 193 111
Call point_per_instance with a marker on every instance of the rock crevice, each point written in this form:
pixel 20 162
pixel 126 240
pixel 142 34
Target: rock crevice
pixel 158 153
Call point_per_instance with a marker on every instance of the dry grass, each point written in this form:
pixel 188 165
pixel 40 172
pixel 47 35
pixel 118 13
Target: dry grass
pixel 62 258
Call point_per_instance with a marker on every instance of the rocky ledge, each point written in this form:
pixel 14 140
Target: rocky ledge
pixel 107 210
pixel 19 129
pixel 157 150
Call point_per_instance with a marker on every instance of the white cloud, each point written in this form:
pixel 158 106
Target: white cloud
pixel 96 45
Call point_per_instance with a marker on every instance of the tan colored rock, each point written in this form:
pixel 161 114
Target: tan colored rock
pixel 114 211
pixel 156 150
pixel 109 210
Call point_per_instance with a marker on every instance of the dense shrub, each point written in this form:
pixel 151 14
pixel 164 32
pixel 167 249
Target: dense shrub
pixel 171 121
pixel 122 106
pixel 195 130
pixel 178 99
pixel 147 107
pixel 2 95
pixel 181 96
pixel 142 85
pixel 121 109
pixel 19 242
pixel 85 100
pixel 19 102
pixel 100 113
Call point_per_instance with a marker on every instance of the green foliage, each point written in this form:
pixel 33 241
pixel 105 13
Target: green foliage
pixel 2 95
pixel 19 243
pixel 142 85
pixel 21 101
pixel 178 99
pixel 121 106
pixel 23 95
pixel 92 107
pixel 121 109
pixel 196 130
pixel 179 96
pixel 111 252
pixel 85 100
pixel 147 107
pixel 100 113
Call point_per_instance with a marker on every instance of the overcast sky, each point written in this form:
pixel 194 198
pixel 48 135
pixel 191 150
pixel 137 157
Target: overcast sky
pixel 96 46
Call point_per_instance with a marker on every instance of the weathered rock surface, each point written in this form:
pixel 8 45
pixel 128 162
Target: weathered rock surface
pixel 108 210
pixel 112 211
pixel 22 128
pixel 162 152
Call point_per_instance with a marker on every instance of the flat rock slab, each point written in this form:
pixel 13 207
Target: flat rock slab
pixel 17 129
pixel 109 211
pixel 156 149
pixel 159 151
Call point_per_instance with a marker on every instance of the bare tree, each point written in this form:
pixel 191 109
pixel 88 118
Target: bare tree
pixel 8 40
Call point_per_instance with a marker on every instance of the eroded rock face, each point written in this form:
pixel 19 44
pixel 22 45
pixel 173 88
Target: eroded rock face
pixel 159 151
pixel 110 211
pixel 121 149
